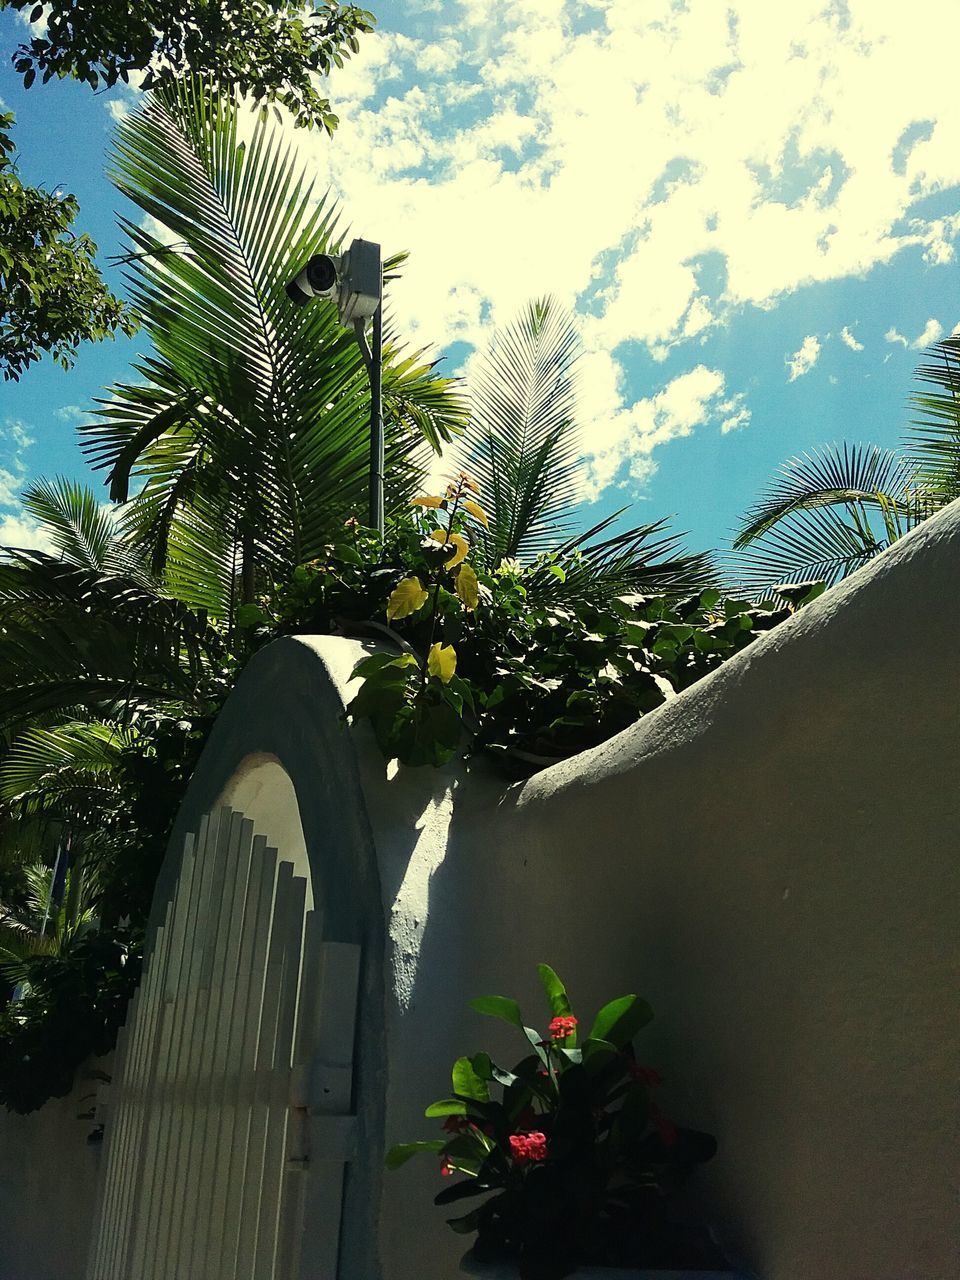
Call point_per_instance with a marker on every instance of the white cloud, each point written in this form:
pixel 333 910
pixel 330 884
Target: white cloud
pixel 10 485
pixel 38 28
pixel 849 340
pixel 740 418
pixel 932 332
pixel 786 134
pixel 802 361
pixel 625 437
pixel 659 171
pixel 15 440
pixel 20 530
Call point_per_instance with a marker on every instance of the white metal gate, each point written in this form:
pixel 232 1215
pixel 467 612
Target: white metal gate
pixel 229 1122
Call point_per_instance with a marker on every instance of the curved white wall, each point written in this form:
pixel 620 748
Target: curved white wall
pixel 260 788
pixel 770 858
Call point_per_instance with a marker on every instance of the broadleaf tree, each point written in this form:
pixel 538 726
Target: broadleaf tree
pixel 271 50
pixel 52 296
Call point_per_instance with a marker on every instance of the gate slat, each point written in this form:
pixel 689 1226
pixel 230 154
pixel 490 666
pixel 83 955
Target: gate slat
pixel 178 994
pixel 330 1095
pixel 135 1103
pixel 259 1116
pixel 242 1049
pixel 290 924
pixel 185 1221
pixel 221 1115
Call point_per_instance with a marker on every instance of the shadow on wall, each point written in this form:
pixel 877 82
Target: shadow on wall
pixel 48 1184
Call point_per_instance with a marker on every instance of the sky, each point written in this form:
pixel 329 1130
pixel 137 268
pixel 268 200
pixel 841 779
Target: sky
pixel 751 209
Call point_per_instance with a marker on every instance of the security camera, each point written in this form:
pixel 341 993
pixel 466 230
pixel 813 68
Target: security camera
pixel 320 278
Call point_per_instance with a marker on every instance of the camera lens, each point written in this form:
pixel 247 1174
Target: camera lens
pixel 321 273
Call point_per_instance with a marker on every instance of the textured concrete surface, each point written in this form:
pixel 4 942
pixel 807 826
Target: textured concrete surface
pixel 770 858
pixel 48 1180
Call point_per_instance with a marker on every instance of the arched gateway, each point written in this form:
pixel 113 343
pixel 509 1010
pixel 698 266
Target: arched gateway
pixel 231 1149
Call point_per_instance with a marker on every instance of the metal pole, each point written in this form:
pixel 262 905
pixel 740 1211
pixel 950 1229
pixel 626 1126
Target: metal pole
pixel 376 423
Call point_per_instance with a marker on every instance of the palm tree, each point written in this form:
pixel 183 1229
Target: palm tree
pixel 523 444
pixel 87 626
pixel 41 924
pixel 248 421
pixel 833 509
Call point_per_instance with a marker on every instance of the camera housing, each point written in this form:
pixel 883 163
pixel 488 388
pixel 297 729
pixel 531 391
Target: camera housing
pixel 320 278
pixel 354 281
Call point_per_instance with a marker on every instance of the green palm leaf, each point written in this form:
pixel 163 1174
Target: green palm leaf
pixel 825 514
pixel 71 637
pixel 645 559
pixel 522 443
pixel 65 762
pixel 932 443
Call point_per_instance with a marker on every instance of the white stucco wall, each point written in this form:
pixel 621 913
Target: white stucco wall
pixel 48 1178
pixel 771 859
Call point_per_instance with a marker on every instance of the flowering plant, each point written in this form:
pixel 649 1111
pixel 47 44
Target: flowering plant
pixel 577 1160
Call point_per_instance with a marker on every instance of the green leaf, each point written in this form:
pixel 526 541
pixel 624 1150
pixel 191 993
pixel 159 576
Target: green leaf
pixel 461 1191
pixel 401 1153
pixel 555 990
pixel 598 1054
pixel 250 615
pixel 482 1066
pixel 467 1083
pixel 620 1020
pixel 446 1107
pixel 499 1007
pixel 367 667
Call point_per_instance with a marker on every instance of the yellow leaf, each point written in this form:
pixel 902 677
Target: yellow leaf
pixel 427 500
pixel 468 482
pixel 468 587
pixel 477 511
pixel 406 598
pixel 462 545
pixel 442 661
pixel 455 539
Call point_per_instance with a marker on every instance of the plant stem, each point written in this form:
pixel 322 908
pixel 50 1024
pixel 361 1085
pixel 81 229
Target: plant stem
pixel 436 592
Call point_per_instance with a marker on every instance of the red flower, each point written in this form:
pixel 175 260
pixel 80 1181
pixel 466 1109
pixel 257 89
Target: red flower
pixel 527 1147
pixel 646 1075
pixel 446 1169
pixel 561 1027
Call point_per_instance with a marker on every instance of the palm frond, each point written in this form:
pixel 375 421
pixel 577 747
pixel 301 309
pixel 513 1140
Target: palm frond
pixel 825 514
pixel 64 761
pixel 822 544
pixel 522 443
pixel 645 559
pixel 71 637
pixel 932 442
pixel 836 474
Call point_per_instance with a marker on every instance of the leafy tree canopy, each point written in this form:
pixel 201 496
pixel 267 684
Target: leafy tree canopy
pixel 52 297
pixel 269 49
